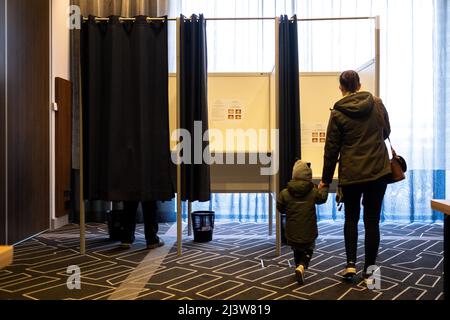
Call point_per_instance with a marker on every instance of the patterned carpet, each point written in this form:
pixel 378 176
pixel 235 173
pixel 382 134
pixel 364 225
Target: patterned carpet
pixel 239 264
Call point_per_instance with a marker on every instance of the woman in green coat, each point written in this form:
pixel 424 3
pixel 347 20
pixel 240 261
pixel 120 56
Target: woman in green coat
pixel 357 130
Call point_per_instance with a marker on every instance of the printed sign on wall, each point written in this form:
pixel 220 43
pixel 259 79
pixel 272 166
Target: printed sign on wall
pixel 314 135
pixel 227 110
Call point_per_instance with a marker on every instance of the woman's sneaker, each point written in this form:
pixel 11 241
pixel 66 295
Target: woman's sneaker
pixel 349 271
pixel 368 280
pixel 300 274
pixel 371 279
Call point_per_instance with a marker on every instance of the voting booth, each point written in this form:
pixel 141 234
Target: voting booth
pixel 247 103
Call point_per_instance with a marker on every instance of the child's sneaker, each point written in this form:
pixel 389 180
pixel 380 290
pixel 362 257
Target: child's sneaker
pixel 349 271
pixel 300 274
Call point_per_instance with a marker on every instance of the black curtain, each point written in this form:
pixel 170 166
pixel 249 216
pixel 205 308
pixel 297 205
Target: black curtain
pixel 196 179
pixel 125 110
pixel 102 8
pixel 289 90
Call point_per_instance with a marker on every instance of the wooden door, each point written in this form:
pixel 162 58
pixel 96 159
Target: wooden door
pixel 28 118
pixel 63 156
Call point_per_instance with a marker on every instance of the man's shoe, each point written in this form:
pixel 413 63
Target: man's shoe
pixel 349 271
pixel 125 245
pixel 159 244
pixel 300 274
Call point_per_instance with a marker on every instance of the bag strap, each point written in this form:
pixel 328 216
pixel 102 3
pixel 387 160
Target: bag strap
pixel 394 154
pixel 383 123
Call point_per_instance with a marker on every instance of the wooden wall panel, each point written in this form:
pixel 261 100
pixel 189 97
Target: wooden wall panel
pixel 63 146
pixel 2 126
pixel 28 118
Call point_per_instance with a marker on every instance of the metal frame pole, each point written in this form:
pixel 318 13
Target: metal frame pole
pixel 239 19
pixel 270 188
pixel 270 200
pixel 179 204
pixel 81 153
pixel 377 55
pixel 189 217
pixel 277 124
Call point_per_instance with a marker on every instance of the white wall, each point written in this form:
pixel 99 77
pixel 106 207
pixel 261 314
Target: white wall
pixel 60 67
pixel 60 39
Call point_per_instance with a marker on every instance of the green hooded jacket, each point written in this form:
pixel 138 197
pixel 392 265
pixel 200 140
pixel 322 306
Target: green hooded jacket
pixel 298 201
pixel 356 136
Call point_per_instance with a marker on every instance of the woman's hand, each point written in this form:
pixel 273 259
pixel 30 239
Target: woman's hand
pixel 323 185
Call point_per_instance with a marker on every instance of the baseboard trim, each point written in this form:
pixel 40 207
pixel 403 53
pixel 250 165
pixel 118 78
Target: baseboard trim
pixel 59 222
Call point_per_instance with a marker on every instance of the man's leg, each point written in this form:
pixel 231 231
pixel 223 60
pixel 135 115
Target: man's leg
pixel 128 221
pixel 150 212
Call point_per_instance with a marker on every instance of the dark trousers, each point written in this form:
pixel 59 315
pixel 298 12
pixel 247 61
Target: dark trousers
pixel 372 194
pixel 303 254
pixel 128 221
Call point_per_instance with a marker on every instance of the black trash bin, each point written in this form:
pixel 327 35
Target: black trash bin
pixel 203 225
pixel 283 229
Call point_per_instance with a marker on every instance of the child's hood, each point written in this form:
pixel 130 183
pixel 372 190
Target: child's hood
pixel 299 188
pixel 302 171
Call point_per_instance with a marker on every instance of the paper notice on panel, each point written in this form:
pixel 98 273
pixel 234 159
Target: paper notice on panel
pixel 228 110
pixel 314 135
pixel 218 111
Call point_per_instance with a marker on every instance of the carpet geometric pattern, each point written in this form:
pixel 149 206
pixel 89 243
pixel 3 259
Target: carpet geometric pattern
pixel 240 263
